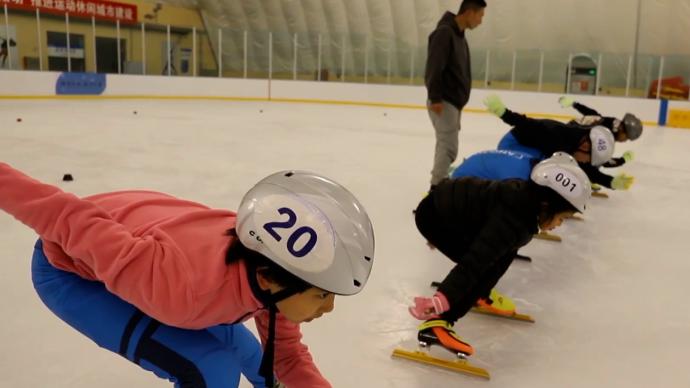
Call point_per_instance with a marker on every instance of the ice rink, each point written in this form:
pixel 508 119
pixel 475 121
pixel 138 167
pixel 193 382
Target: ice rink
pixel 610 301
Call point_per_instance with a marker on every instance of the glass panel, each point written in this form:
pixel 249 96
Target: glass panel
pixel 156 49
pixel 645 71
pixel 419 65
pixel 555 70
pixel 282 55
pixel 403 63
pixel 257 54
pixel 19 50
pixel 58 57
pixel 613 73
pixel 233 54
pixel 207 63
pixel 307 56
pixel 527 70
pixel 676 77
pixel 378 61
pixel 478 64
pixel 500 69
pixel 329 58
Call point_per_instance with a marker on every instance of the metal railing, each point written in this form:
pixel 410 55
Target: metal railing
pixel 178 51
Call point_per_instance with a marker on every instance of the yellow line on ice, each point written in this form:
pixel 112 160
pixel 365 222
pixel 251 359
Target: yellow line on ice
pixel 265 99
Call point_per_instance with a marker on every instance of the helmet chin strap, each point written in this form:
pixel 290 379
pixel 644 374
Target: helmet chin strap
pixel 269 300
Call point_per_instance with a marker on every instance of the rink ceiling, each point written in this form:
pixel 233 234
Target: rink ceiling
pixel 609 300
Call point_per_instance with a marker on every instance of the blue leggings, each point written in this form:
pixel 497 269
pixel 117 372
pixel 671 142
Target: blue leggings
pixel 210 358
pixel 509 142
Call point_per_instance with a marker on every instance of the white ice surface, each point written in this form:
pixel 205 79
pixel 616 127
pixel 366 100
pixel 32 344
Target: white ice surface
pixel 610 301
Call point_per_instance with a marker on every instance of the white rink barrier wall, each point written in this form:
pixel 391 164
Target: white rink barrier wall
pixel 42 85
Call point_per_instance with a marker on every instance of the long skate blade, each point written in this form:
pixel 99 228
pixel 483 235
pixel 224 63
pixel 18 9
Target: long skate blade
pixel 515 317
pixel 523 257
pixel 576 217
pixel 548 237
pixel 462 366
pixel 599 194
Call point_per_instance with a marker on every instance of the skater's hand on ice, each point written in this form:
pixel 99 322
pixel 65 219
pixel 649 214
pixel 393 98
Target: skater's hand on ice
pixel 622 182
pixel 494 104
pixel 427 308
pixel 628 156
pixel 566 102
pixel 436 108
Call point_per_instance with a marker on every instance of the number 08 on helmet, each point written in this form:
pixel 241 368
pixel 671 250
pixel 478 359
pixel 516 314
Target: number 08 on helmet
pixel 312 227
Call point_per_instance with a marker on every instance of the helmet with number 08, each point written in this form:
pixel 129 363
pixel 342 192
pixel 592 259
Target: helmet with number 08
pixel 312 227
pixel 561 173
pixel 603 145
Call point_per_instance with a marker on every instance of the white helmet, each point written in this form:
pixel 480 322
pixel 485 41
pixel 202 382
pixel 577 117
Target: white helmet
pixel 312 227
pixel 561 173
pixel 603 144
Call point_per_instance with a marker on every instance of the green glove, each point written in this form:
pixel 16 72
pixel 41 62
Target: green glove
pixel 622 182
pixel 628 156
pixel 494 104
pixel 596 187
pixel 566 102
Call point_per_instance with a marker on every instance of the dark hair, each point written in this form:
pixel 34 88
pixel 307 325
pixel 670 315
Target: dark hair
pixel 551 203
pixel 272 271
pixel 474 5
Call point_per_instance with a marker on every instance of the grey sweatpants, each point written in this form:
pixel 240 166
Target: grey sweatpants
pixel 447 128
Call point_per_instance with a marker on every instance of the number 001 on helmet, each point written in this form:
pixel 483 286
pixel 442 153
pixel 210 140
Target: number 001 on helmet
pixel 312 227
pixel 561 173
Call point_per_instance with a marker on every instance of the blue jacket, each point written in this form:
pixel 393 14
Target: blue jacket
pixel 496 165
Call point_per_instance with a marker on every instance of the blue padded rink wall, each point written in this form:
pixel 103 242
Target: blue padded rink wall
pixel 610 301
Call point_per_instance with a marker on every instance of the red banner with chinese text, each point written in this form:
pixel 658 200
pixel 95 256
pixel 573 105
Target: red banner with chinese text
pixel 99 9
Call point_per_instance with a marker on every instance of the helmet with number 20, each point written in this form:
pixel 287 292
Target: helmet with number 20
pixel 312 227
pixel 561 173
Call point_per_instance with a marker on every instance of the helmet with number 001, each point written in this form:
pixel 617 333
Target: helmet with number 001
pixel 312 227
pixel 603 145
pixel 632 125
pixel 561 173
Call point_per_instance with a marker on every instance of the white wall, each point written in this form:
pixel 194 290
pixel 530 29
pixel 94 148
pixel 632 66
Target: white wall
pixel 26 84
pixel 118 85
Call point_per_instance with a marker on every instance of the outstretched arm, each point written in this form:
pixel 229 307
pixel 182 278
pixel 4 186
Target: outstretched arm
pixel 585 110
pixel 146 271
pixel 596 176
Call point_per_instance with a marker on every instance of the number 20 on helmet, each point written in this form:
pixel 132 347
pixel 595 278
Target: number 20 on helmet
pixel 312 227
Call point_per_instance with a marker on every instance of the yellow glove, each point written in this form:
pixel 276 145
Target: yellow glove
pixel 628 156
pixel 566 102
pixel 494 104
pixel 596 187
pixel 622 182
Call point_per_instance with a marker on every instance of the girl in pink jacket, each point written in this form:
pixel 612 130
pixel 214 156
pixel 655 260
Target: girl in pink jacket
pixel 166 282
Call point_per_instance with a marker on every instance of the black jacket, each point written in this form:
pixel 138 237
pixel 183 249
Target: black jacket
pixel 549 136
pixel 448 72
pixel 605 121
pixel 488 219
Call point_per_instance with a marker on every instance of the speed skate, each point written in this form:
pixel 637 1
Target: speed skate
pixel 461 364
pixel 440 333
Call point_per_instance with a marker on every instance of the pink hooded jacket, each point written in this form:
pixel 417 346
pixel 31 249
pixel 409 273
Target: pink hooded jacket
pixel 164 255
